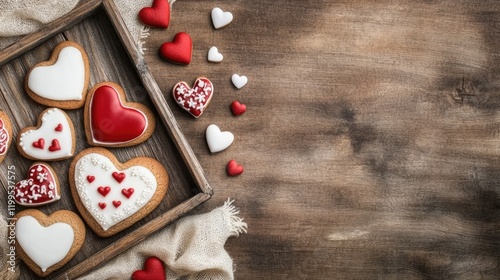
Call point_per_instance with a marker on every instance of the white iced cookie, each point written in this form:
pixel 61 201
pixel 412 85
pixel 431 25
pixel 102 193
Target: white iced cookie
pixel 221 18
pixel 218 140
pixel 239 81
pixel 214 55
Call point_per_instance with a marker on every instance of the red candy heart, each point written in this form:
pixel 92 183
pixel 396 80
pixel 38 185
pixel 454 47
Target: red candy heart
pixel 55 146
pixel 196 99
pixel 40 187
pixel 102 205
pixel 128 192
pixel 117 203
pixel 179 50
pixel 39 144
pixel 90 179
pixel 119 177
pixel 153 270
pixel 237 108
pixel 156 16
pixel 233 168
pixel 103 190
pixel 59 128
pixel 110 121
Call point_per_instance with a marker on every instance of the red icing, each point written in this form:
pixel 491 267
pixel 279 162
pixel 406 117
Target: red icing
pixel 117 203
pixel 233 168
pixel 179 50
pixel 237 108
pixel 39 144
pixel 111 122
pixel 4 138
pixel 196 99
pixel 119 177
pixel 39 188
pixel 153 270
pixel 128 192
pixel 102 205
pixel 55 146
pixel 103 190
pixel 59 128
pixel 90 179
pixel 158 15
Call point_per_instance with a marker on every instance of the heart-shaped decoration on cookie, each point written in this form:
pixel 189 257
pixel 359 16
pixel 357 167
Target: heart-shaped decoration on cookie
pixel 5 135
pixel 218 140
pixel 156 16
pixel 45 142
pixel 196 99
pixel 179 50
pixel 154 269
pixel 221 18
pixel 110 121
pixel 41 187
pixel 46 243
pixel 109 206
pixel 61 81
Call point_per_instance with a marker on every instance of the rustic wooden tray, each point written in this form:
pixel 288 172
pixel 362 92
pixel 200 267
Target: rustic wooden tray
pixel 113 56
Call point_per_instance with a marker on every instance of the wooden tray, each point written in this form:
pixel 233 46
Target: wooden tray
pixel 114 56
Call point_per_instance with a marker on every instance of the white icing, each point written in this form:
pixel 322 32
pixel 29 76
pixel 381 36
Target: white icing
pixel 218 140
pixel 62 81
pixel 214 55
pixel 139 178
pixel 46 246
pixel 221 18
pixel 239 81
pixel 50 120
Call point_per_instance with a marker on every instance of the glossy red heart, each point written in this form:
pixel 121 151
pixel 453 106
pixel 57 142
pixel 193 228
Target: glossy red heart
pixel 119 176
pixel 59 128
pixel 128 192
pixel 55 146
pixel 39 188
pixel 195 99
pixel 39 144
pixel 90 179
pixel 179 50
pixel 237 108
pixel 102 205
pixel 233 168
pixel 153 270
pixel 117 203
pixel 156 16
pixel 111 121
pixel 103 190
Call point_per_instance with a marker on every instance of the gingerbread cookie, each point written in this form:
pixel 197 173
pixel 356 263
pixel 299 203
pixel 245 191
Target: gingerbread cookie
pixel 111 196
pixel 46 243
pixel 111 121
pixel 41 187
pixel 196 99
pixel 52 139
pixel 5 135
pixel 62 81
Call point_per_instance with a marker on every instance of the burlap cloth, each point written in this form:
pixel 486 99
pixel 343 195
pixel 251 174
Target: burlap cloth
pixel 192 247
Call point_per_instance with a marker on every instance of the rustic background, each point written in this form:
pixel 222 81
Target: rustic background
pixel 371 141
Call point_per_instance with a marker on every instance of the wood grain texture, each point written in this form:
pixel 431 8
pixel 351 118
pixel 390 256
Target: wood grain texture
pixel 371 140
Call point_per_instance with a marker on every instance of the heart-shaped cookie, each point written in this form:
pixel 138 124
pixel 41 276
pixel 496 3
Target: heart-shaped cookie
pixel 214 55
pixel 61 81
pixel 110 203
pixel 196 99
pixel 112 121
pixel 179 50
pixel 156 16
pixel 237 108
pixel 233 168
pixel 153 270
pixel 41 187
pixel 239 81
pixel 46 243
pixel 218 140
pixel 52 139
pixel 5 134
pixel 221 18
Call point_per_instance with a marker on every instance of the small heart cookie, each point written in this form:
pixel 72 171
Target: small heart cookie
pixel 41 187
pixel 234 168
pixel 196 99
pixel 154 269
pixel 52 139
pixel 179 50
pixel 62 81
pixel 214 55
pixel 156 16
pixel 111 121
pixel 111 196
pixel 5 135
pixel 237 108
pixel 221 18
pixel 218 140
pixel 46 243
pixel 239 81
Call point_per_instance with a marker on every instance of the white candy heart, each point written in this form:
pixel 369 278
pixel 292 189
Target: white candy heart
pixel 214 55
pixel 62 81
pixel 220 18
pixel 218 140
pixel 239 81
pixel 46 246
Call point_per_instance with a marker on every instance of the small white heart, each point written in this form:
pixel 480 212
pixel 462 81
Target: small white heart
pixel 239 81
pixel 221 18
pixel 214 55
pixel 218 140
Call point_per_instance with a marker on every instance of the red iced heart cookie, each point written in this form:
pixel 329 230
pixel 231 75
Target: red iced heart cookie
pixel 195 99
pixel 153 270
pixel 156 16
pixel 237 108
pixel 41 187
pixel 179 50
pixel 111 121
pixel 233 168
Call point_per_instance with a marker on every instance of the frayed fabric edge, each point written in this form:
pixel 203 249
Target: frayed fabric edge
pixel 236 224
